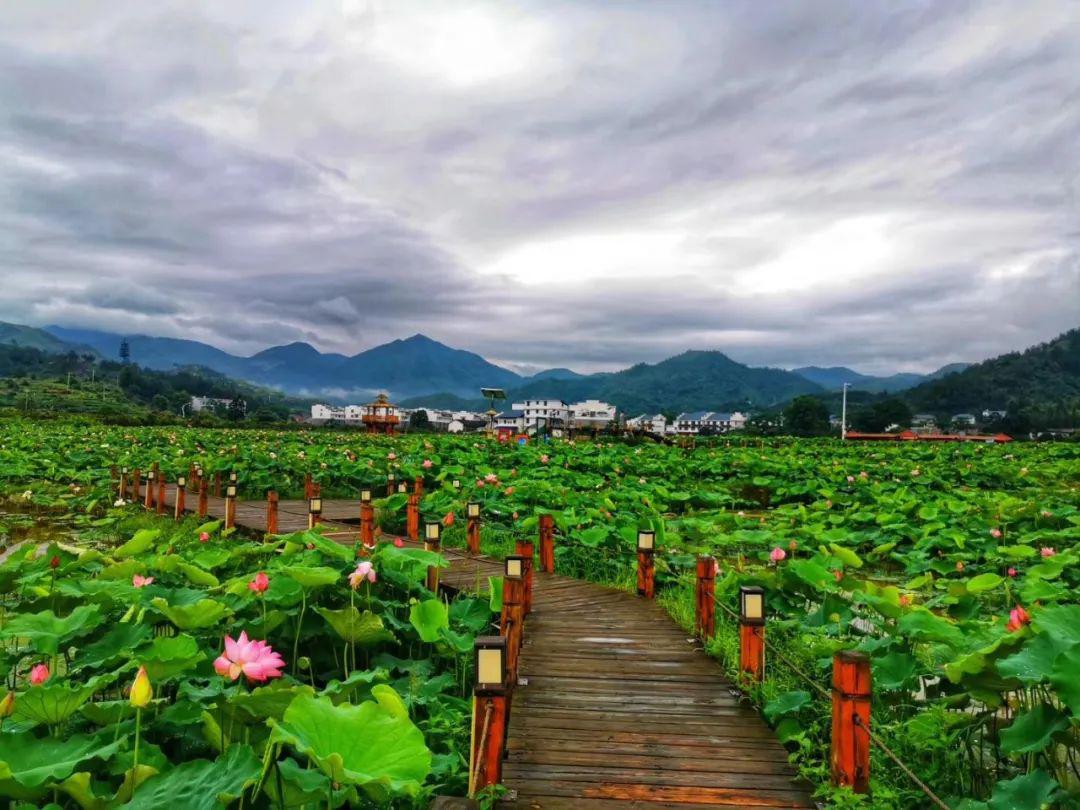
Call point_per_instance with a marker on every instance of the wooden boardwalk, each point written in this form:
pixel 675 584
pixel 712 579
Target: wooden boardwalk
pixel 616 708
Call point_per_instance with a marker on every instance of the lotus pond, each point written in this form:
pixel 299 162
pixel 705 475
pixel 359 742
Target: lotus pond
pixel 954 567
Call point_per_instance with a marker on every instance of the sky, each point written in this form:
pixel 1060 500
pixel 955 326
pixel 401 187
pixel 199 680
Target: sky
pixel 887 186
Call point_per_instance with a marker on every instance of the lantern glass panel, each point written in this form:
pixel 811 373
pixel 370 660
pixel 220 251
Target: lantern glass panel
pixel 474 509
pixel 365 496
pixel 753 605
pixel 230 491
pixel 150 476
pixel 489 666
pixel 457 484
pixel 402 487
pixel 232 477
pixel 646 541
pixel 514 567
pixel 315 505
pixel 181 482
pixel 431 531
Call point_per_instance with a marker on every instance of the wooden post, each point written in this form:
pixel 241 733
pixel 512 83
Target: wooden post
pixel 491 713
pixel 161 495
pixel 391 486
pixel 136 485
pixel 432 544
pixel 148 501
pixel 271 512
pixel 418 487
pixel 851 699
pixel 412 517
pixel 230 512
pixel 181 492
pixel 512 623
pixel 526 549
pixel 367 526
pixel 123 486
pixel 752 649
pixel 547 544
pixel 309 487
pixel 705 615
pixel 646 574
pixel 217 484
pixel 202 497
pixel 472 534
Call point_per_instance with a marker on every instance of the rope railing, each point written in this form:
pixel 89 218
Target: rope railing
pixel 876 740
pixel 474 775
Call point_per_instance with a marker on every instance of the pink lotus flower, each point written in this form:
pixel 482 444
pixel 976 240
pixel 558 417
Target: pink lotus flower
pixel 515 516
pixel 959 565
pixel 427 464
pixel 259 584
pixel 141 581
pixel 364 570
pixel 204 538
pixel 256 660
pixel 39 674
pixel 864 475
pixel 399 543
pixel 905 600
pixel 448 519
pixel 1046 513
pixel 995 533
pixel 479 483
pixel 544 459
pixel 777 555
pixel 1047 551
pixel 851 479
pixel 391 456
pixel 1011 572
pixel 509 490
pixel 838 575
pixel 1018 617
pixel 491 478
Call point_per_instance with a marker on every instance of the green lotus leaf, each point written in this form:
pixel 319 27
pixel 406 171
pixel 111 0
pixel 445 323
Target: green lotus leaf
pixel 140 543
pixel 301 787
pixel 200 784
pixel 784 704
pixel 922 625
pixel 894 671
pixel 173 563
pixel 204 613
pixel 122 571
pixel 267 701
pixel 1033 730
pixel 369 745
pixel 48 632
pixel 846 555
pixel 364 629
pixel 472 614
pixel 313 576
pixel 55 701
pixel 983 583
pixel 32 761
pixel 1035 661
pixel 1064 677
pixel 168 656
pixel 429 617
pixel 118 642
pixel 1032 791
pixel 1060 621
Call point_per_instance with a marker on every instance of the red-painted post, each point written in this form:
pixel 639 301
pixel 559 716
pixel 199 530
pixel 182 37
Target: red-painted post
pixel 432 542
pixel 705 615
pixel 472 527
pixel 181 494
pixel 161 495
pixel 271 512
pixel 309 487
pixel 547 544
pixel 512 623
pixel 526 549
pixel 136 485
pixel 418 486
pixel 491 714
pixel 203 497
pixel 752 632
pixel 148 501
pixel 217 484
pixel 367 526
pixel 412 517
pixel 850 700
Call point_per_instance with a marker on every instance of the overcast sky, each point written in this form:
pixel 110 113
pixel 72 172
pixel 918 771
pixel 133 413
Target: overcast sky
pixel 889 186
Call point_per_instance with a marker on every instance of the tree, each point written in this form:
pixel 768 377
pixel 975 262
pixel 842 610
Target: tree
pixel 418 420
pixel 878 416
pixel 237 408
pixel 806 416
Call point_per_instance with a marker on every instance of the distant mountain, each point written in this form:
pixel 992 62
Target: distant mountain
pixel 833 378
pixel 13 334
pixel 694 380
pixel 555 374
pixel 1044 376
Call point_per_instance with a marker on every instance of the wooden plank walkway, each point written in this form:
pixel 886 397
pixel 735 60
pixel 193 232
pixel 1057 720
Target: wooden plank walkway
pixel 617 707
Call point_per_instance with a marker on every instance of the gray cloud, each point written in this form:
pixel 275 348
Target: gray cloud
pixel 886 186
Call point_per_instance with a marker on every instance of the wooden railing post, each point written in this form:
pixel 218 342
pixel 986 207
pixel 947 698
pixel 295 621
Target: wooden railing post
pixel 161 495
pixel 705 615
pixel 181 497
pixel 851 699
pixel 203 496
pixel 752 632
pixel 646 563
pixel 148 501
pixel 156 469
pixel 123 484
pixel 418 487
pixel 472 527
pixel 230 506
pixel 136 485
pixel 412 517
pixel 512 623
pixel 217 484
pixel 547 544
pixel 271 512
pixel 432 542
pixel 367 526
pixel 527 551
pixel 491 714
pixel 309 491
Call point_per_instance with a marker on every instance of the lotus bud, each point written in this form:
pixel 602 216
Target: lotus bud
pixel 7 705
pixel 304 662
pixel 141 690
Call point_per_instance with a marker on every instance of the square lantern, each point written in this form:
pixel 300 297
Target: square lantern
pixel 314 506
pixel 431 532
pixel 490 662
pixel 232 477
pixel 390 477
pixel 181 482
pixel 150 476
pixel 402 488
pixel 646 541
pixel 514 567
pixel 230 491
pixel 473 509
pixel 365 496
pixel 123 470
pixel 752 604
pixel 457 484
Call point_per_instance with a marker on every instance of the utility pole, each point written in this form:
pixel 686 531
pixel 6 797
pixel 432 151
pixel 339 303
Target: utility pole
pixel 843 414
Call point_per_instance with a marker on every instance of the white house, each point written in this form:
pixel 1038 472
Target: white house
pixel 327 412
pixel 690 423
pixel 655 423
pixel 694 422
pixel 592 414
pixel 510 420
pixel 724 422
pixel 544 413
pixel 208 403
pixel 963 419
pixel 992 416
pixel 354 413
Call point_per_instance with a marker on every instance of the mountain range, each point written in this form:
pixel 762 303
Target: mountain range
pixel 419 370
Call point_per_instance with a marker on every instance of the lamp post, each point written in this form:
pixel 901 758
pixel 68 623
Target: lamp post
pixel 472 526
pixel 850 755
pixel 525 549
pixel 123 483
pixel 181 490
pixel 752 632
pixel 161 495
pixel 432 542
pixel 148 502
pixel 230 506
pixel 314 509
pixel 367 521
pixel 491 703
pixel 705 615
pixel 646 577
pixel 513 611
pixel 390 486
pixel 412 516
pixel 547 544
pixel 203 496
pixel 272 512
